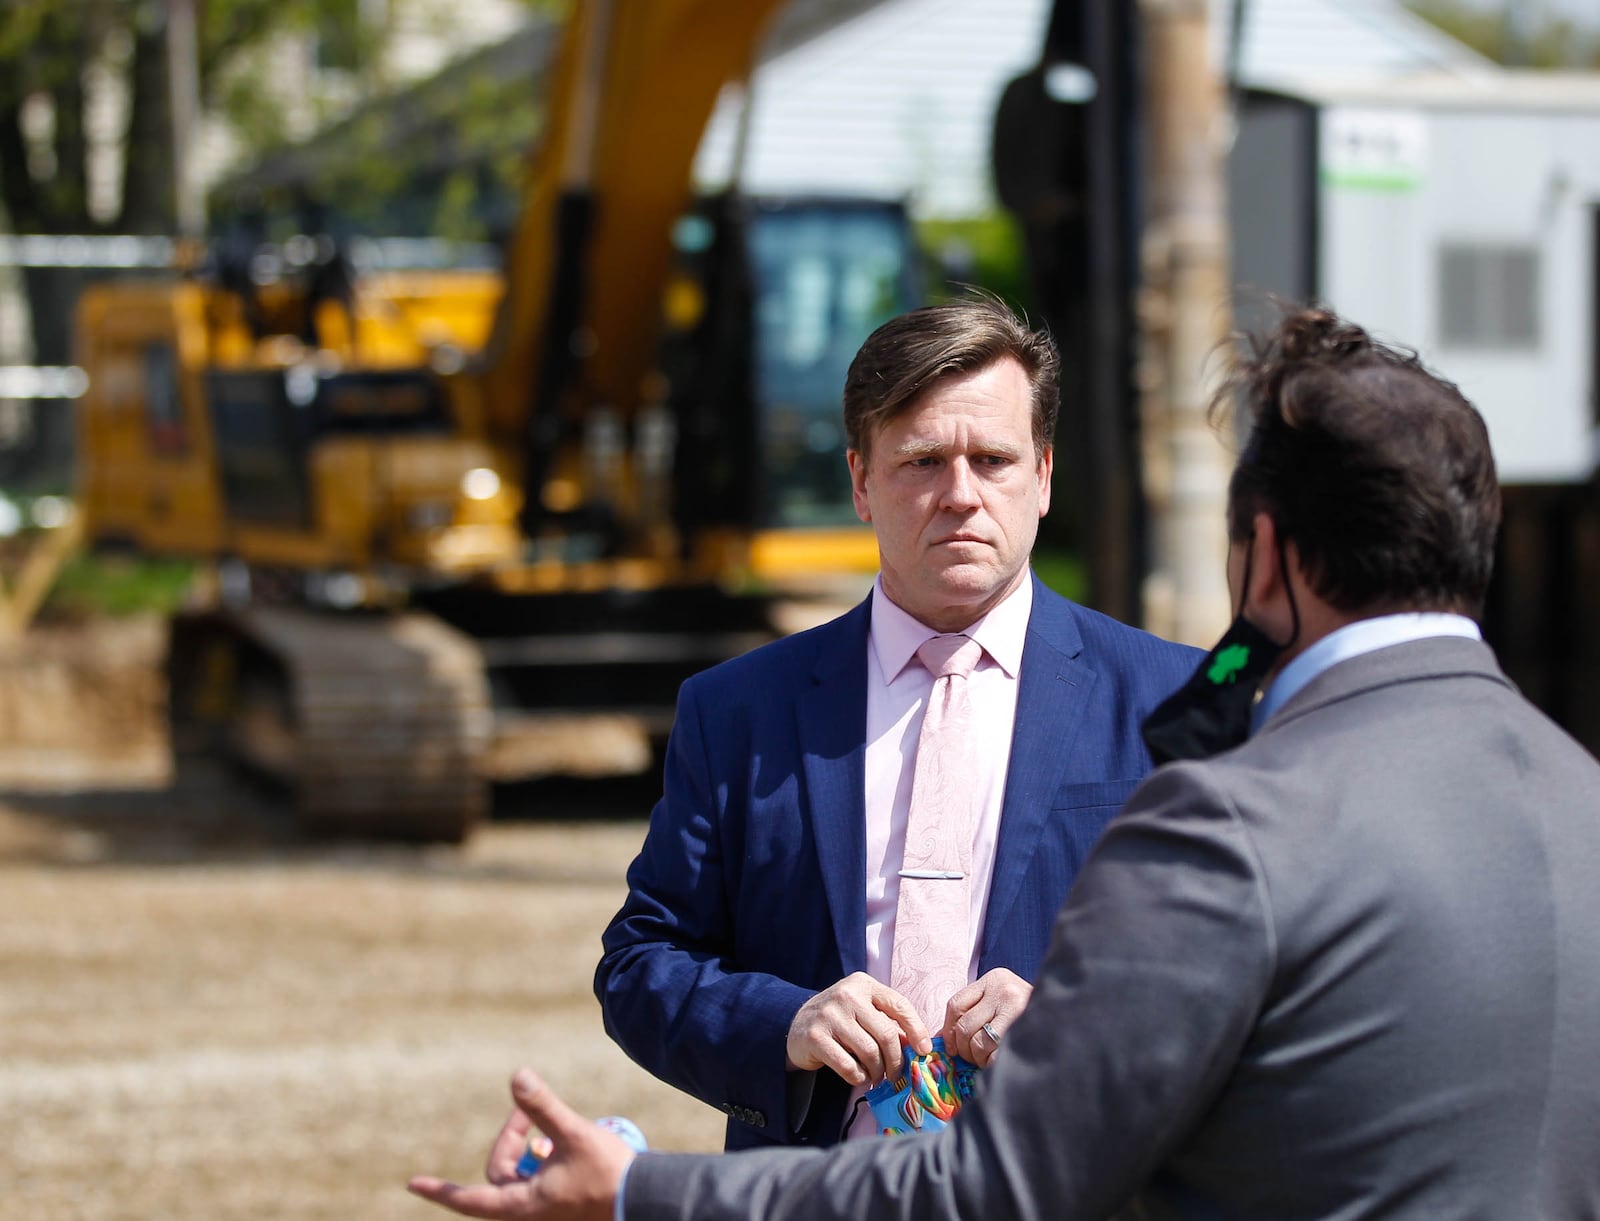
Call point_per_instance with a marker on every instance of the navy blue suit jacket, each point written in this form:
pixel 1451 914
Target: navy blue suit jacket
pixel 749 894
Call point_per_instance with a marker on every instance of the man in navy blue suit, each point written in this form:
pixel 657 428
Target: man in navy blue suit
pixel 751 962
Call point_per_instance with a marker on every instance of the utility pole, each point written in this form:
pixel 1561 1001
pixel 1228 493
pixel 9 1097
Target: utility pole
pixel 1184 320
pixel 1066 163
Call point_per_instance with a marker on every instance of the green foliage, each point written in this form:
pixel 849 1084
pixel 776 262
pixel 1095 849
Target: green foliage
pixel 20 22
pixel 444 158
pixel 458 218
pixel 239 98
pixel 1062 571
pixel 984 251
pixel 231 28
pixel 1552 43
pixel 44 45
pixel 93 584
pixel 238 75
pixel 26 28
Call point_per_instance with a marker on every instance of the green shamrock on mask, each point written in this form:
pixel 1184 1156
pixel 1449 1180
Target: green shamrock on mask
pixel 1229 664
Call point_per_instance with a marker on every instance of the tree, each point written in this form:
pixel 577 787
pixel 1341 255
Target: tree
pixel 443 157
pixel 1503 36
pixel 86 137
pixel 66 166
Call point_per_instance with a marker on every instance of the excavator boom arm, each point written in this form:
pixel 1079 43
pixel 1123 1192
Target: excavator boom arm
pixel 633 86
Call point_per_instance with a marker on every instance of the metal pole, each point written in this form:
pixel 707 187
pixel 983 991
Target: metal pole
pixel 183 80
pixel 1184 320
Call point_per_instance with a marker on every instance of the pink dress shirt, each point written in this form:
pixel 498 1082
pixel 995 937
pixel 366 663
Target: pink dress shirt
pixel 897 691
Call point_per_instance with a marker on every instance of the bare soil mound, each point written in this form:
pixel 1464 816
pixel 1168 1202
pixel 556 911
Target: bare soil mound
pixel 83 703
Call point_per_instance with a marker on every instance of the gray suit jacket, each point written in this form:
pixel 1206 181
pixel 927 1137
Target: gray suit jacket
pixel 1348 970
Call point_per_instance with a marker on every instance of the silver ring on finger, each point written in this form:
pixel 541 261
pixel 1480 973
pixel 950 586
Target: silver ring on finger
pixel 988 1029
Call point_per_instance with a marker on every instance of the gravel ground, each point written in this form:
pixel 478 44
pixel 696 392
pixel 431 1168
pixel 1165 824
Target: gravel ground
pixel 205 1015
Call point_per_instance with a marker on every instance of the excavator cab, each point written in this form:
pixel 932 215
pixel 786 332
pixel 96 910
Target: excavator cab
pixel 769 301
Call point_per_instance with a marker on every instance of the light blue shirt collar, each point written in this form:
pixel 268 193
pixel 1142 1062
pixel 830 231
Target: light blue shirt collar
pixel 1352 640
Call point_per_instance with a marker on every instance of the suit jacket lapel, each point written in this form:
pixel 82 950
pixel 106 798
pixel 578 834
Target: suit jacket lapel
pixel 832 717
pixel 1052 699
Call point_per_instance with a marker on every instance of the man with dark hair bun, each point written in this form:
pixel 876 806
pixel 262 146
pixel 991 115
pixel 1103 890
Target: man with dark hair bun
pixel 1340 958
pixel 1378 470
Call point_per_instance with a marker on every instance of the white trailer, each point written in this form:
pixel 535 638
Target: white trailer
pixel 1462 216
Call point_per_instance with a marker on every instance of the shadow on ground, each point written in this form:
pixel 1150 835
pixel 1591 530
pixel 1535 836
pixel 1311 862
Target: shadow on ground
pixel 220 817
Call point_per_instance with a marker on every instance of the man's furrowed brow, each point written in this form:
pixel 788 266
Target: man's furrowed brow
pixel 1001 449
pixel 929 448
pixel 925 447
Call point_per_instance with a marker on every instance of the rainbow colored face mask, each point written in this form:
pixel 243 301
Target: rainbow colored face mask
pixel 926 1095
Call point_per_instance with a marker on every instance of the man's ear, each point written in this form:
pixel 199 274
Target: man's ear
pixel 1267 600
pixel 1264 574
pixel 857 462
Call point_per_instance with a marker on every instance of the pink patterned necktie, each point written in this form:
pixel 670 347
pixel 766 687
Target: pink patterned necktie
pixel 932 929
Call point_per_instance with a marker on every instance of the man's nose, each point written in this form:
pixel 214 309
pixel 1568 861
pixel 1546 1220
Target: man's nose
pixel 961 487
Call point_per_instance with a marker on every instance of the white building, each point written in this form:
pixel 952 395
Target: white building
pixel 1381 166
pixel 1461 216
pixel 899 100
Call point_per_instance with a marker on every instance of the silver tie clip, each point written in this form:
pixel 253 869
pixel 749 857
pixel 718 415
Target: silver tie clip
pixel 937 875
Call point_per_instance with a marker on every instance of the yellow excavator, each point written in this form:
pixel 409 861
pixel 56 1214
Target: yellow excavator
pixel 455 513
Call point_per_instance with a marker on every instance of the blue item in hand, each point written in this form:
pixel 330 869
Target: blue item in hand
pixel 530 1162
pixel 926 1095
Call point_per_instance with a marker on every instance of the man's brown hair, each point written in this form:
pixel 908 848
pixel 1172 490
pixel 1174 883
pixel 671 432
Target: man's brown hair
pixel 907 355
pixel 1377 469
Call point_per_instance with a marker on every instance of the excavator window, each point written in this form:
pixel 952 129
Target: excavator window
pixel 263 438
pixel 163 407
pixel 778 295
pixel 825 274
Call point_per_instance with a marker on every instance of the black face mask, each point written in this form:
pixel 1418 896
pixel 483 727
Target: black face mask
pixel 1211 712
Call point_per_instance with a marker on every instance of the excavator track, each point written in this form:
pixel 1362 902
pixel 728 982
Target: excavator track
pixel 376 722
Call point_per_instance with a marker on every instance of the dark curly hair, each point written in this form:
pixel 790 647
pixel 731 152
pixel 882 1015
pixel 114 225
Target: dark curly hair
pixel 1378 470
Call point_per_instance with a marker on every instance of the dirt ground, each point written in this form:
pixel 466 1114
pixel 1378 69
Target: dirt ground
pixel 204 1014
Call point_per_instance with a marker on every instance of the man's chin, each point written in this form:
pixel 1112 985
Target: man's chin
pixel 944 593
pixel 971 585
pixel 968 566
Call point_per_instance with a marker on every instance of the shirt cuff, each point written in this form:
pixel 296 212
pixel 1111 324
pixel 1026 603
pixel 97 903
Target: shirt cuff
pixel 622 1186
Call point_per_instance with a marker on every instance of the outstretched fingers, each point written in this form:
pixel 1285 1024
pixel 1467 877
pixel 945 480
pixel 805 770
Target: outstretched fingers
pixel 485 1200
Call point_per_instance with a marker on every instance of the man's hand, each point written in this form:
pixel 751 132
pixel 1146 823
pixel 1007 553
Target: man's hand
pixel 975 1019
pixel 855 1028
pixel 578 1181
